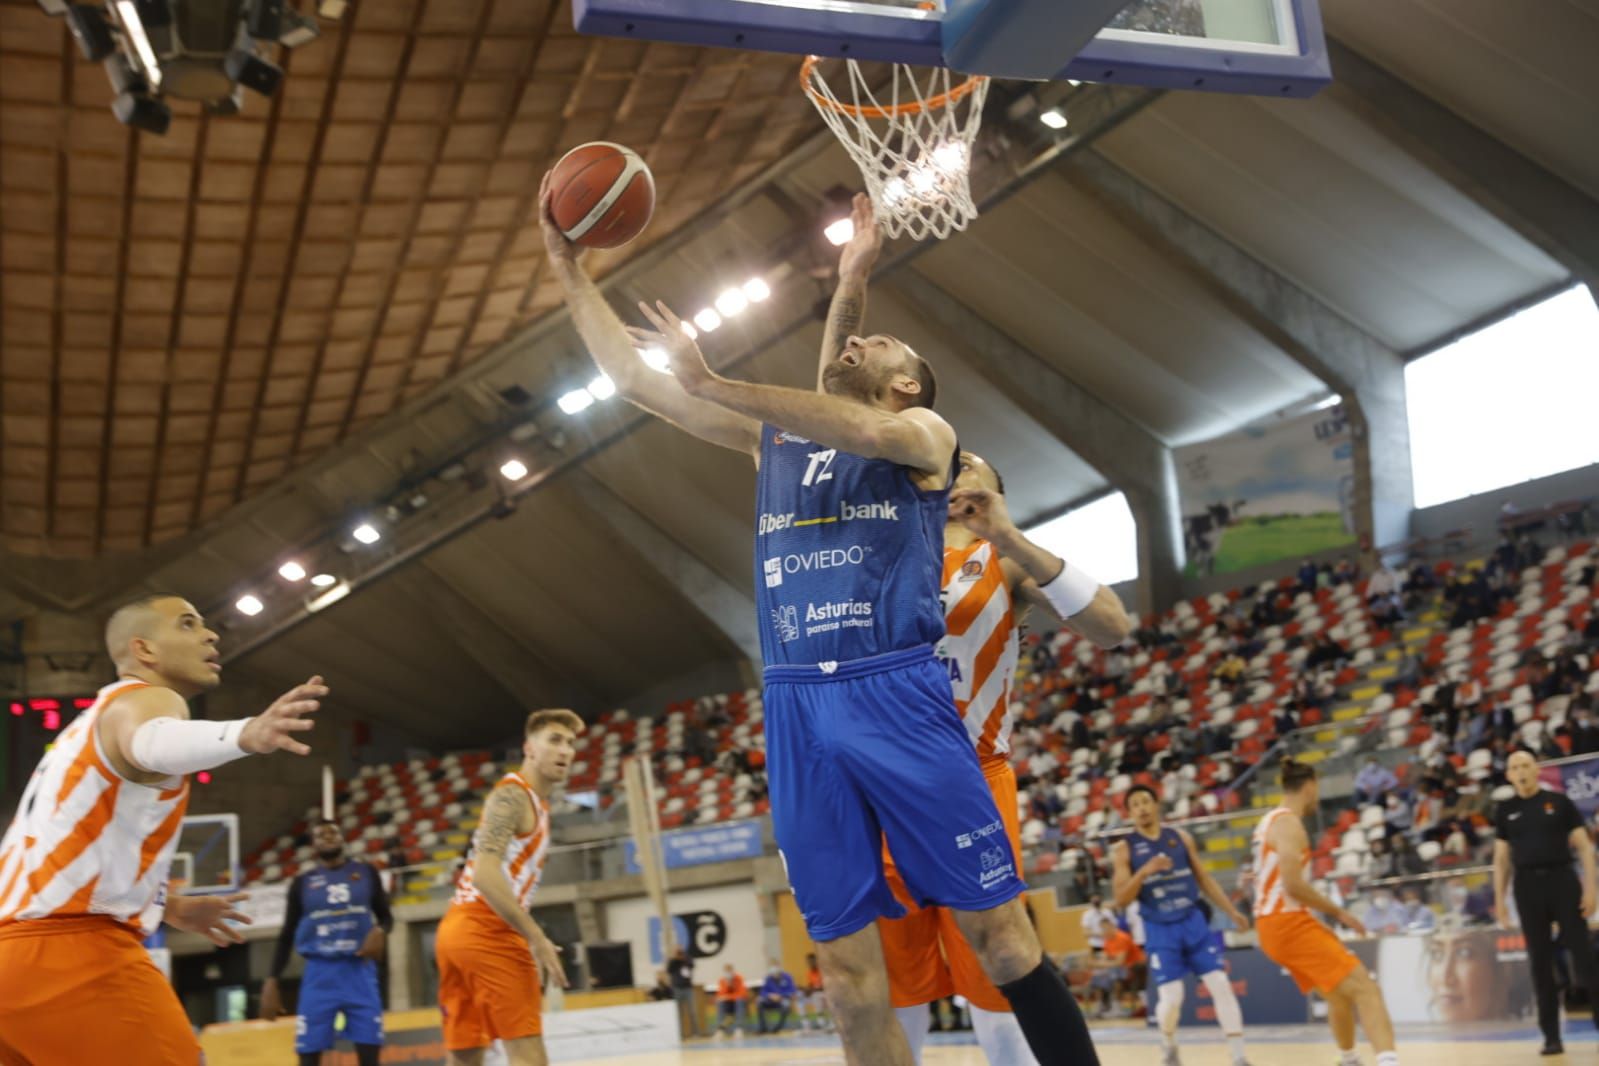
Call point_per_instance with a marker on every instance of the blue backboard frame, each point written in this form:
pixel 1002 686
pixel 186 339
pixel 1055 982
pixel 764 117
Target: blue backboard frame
pixel 837 28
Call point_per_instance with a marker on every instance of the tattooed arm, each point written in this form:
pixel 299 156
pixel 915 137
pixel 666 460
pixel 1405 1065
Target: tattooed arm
pixel 506 814
pixel 848 309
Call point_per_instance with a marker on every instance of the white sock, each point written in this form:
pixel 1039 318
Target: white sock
pixel 1168 1011
pixel 1387 1058
pixel 915 1021
pixel 1000 1036
pixel 1229 1015
pixel 1349 1058
pixel 1235 1044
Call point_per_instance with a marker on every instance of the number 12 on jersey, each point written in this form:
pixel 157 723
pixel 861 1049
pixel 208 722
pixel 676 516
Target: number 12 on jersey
pixel 820 466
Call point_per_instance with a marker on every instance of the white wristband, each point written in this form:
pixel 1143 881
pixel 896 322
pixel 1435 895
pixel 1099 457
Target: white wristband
pixel 179 746
pixel 1071 591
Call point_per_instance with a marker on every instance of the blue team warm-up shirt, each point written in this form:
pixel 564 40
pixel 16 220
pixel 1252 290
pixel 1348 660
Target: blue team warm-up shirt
pixel 1177 938
pixel 330 912
pixel 863 739
pixel 848 554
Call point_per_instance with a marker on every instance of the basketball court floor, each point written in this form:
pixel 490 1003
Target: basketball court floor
pixel 1487 1044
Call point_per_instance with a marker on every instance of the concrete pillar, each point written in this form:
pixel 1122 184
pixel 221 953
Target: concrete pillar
pixel 1131 458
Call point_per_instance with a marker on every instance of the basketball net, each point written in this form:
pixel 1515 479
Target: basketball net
pixel 912 142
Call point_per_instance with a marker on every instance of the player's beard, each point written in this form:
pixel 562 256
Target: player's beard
pixel 856 382
pixel 331 854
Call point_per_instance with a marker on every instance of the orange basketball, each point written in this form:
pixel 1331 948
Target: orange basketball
pixel 602 194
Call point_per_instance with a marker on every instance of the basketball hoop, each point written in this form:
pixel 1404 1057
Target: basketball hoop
pixel 913 145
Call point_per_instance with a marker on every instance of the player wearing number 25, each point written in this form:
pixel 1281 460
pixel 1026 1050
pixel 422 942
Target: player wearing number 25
pixel 337 917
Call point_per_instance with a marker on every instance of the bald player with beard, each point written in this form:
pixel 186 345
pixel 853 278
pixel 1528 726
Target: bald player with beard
pixel 85 864
pixel 863 737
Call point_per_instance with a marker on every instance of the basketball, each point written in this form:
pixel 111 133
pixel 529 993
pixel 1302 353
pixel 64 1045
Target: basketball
pixel 602 195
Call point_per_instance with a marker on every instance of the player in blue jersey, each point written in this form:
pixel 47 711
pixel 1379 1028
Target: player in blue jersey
pixel 863 739
pixel 1160 868
pixel 337 918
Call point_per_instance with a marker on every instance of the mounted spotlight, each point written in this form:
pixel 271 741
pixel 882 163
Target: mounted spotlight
pixel 91 30
pixel 142 111
pixel 231 104
pixel 264 18
pixel 123 77
pixel 297 30
pixel 247 68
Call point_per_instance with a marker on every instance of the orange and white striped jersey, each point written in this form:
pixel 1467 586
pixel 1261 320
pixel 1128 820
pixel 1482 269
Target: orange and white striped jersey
pixel 524 859
pixel 1271 896
pixel 86 840
pixel 981 646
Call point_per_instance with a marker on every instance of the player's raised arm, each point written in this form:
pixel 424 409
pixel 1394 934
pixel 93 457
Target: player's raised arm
pixel 1287 837
pixel 1045 580
pixel 613 352
pixel 848 309
pixel 913 437
pixel 1208 884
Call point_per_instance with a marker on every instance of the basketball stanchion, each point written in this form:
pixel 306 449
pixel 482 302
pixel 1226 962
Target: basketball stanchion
pixel 645 822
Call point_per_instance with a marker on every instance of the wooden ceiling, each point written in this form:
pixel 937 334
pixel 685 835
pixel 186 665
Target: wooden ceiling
pixel 186 318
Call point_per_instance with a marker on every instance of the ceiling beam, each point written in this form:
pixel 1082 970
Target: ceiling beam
pixel 1129 456
pixel 1366 373
pixel 517 667
pixel 1543 207
pixel 721 604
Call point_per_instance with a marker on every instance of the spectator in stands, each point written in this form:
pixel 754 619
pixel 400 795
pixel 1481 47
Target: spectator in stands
pixel 1528 551
pixel 1504 555
pixel 1379 860
pixel 1346 572
pixel 1397 813
pixel 1406 862
pixel 1374 781
pixel 1307 575
pixel 1384 916
pixel 1419 917
pixel 1285 721
pixel 1097 924
pixel 731 995
pixel 1384 581
pixel 1230 671
pixel 777 994
pixel 1325 651
pixel 1581 729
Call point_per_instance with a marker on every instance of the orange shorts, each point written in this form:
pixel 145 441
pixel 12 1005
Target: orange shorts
pixel 488 986
pixel 83 990
pixel 927 956
pixel 1308 950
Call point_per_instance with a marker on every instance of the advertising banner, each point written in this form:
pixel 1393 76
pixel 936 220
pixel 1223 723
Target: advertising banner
pixel 1272 491
pixel 723 842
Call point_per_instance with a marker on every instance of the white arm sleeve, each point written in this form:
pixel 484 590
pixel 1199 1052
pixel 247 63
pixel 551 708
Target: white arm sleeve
pixel 179 746
pixel 1071 591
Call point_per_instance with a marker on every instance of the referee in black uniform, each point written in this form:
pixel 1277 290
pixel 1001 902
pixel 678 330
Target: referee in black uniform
pixel 1541 834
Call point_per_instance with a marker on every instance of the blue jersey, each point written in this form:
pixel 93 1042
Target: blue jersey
pixel 335 908
pixel 848 554
pixel 1169 896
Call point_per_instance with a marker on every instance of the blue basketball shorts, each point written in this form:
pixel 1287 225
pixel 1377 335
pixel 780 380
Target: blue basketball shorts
pixel 334 986
pixel 871 750
pixel 1177 949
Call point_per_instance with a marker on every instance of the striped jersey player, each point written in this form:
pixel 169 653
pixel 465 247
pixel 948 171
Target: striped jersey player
pixel 992 577
pixel 489 949
pixel 85 863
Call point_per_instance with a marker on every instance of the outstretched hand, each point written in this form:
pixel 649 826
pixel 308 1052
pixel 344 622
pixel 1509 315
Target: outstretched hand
pixel 274 728
pixel 686 359
pixel 559 249
pixel 208 916
pixel 981 511
pixel 860 254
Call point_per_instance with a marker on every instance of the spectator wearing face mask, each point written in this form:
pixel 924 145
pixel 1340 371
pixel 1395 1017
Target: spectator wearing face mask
pixel 1419 917
pixel 1384 915
pixel 777 994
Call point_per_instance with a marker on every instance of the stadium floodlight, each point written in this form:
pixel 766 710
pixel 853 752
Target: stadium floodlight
pixel 291 571
pixel 602 388
pixel 513 470
pixel 656 359
pixel 840 232
pixel 732 302
pixel 250 605
pixel 322 581
pixel 366 533
pixel 690 332
pixel 575 401
pixel 1054 118
pixel 133 27
pixel 142 111
pixel 91 30
pixel 708 320
pixel 756 290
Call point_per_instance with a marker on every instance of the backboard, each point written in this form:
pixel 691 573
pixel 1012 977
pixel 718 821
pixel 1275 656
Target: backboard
pixel 207 856
pixel 1265 47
